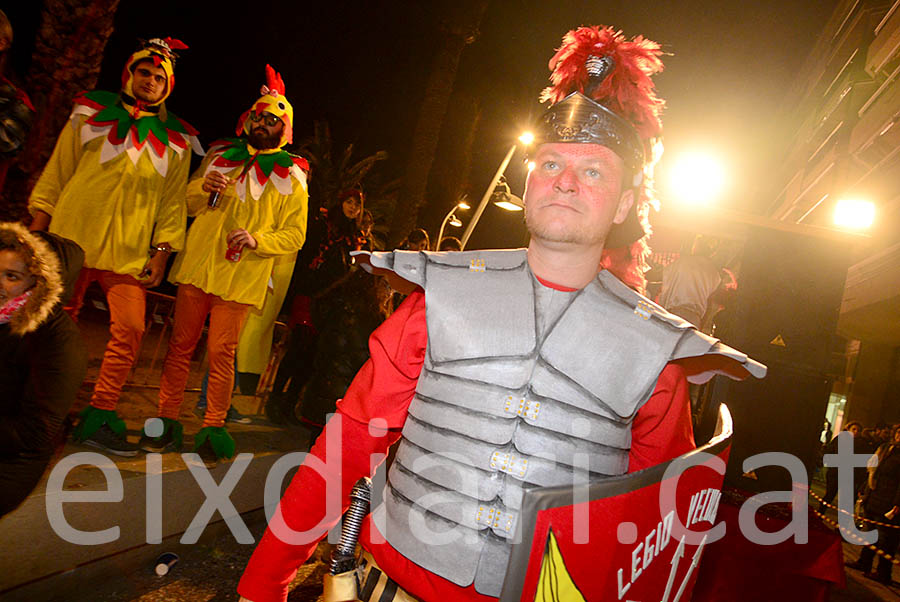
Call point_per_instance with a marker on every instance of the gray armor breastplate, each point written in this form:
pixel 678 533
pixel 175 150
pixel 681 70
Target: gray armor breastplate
pixel 522 385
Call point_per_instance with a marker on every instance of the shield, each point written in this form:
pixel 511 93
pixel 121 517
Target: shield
pixel 636 538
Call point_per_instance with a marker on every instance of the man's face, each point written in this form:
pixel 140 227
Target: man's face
pixel 149 82
pixel 265 130
pixel 574 194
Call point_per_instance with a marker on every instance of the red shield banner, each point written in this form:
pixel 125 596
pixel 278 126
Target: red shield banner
pixel 636 538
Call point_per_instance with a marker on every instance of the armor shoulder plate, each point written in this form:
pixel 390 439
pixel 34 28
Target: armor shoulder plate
pixel 718 358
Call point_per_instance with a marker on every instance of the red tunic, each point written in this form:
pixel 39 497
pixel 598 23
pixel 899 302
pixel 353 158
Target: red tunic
pixel 384 388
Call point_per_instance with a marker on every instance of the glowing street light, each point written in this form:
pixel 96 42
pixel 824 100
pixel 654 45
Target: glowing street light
pixel 854 214
pixel 526 138
pixel 509 205
pixel 697 178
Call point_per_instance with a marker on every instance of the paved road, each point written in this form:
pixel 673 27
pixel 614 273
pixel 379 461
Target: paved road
pixel 860 589
pixel 204 573
pixel 210 572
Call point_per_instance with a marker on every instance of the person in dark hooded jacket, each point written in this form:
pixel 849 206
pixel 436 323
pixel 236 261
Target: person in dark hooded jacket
pixel 42 355
pixel 882 505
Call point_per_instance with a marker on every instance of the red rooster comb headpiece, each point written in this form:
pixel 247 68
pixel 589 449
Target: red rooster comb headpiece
pixel 272 100
pixel 273 81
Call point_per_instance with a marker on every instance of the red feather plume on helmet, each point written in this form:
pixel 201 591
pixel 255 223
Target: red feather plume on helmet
pixel 628 90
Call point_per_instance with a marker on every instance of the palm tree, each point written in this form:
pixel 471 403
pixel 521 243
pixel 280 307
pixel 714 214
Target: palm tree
pixel 67 55
pixel 381 200
pixel 450 177
pixel 459 29
pixel 347 309
pixel 331 171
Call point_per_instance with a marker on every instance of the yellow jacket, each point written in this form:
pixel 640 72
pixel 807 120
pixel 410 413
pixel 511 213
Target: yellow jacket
pixel 276 220
pixel 114 206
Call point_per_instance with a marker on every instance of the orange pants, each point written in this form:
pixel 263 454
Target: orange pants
pixel 126 299
pixel 226 318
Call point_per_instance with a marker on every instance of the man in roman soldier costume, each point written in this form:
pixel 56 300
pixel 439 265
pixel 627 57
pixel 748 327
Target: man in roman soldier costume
pixel 115 184
pixel 249 197
pixel 510 369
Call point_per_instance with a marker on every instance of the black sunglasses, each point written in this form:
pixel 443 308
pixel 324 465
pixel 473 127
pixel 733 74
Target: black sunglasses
pixel 267 118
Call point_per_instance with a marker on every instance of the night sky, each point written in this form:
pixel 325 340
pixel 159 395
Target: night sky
pixel 362 67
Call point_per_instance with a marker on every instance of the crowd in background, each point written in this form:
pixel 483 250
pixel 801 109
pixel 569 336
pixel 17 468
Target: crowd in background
pixel 875 490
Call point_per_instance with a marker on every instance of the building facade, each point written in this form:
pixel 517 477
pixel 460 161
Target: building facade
pixel 843 122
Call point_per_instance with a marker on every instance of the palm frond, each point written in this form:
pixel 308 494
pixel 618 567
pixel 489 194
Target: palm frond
pixel 333 170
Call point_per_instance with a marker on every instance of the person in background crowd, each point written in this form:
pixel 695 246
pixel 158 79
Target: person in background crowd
pixel 450 369
pixel 690 281
pixel 42 356
pixel 16 110
pixel 450 243
pixel 296 365
pixel 366 224
pixel 721 298
pixel 249 197
pixel 323 265
pixel 882 434
pixel 882 504
pixel 417 240
pixel 345 316
pixel 115 184
pixel 878 447
pixel 339 232
pixel 831 472
pixel 869 439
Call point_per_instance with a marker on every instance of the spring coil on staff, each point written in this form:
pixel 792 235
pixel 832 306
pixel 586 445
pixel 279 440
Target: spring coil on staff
pixel 343 559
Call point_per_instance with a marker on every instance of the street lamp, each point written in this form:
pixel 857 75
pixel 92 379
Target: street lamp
pixel 451 219
pixel 505 199
pixel 526 139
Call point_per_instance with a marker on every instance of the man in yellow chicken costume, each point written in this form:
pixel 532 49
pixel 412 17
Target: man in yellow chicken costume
pixel 249 197
pixel 115 184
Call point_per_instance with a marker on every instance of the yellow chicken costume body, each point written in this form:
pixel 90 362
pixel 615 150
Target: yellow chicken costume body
pixel 268 200
pixel 115 184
